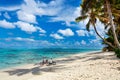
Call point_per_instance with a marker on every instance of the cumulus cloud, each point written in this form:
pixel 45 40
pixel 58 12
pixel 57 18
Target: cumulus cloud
pixel 23 39
pixel 83 42
pixel 55 8
pixel 41 30
pixel 82 33
pixel 99 26
pixel 6 15
pixel 10 8
pixel 25 43
pixel 20 39
pixel 66 32
pixel 67 15
pixel 42 35
pixel 56 36
pixel 6 24
pixel 25 26
pixel 23 16
pixel 41 8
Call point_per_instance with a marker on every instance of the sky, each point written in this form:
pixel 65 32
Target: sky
pixel 45 24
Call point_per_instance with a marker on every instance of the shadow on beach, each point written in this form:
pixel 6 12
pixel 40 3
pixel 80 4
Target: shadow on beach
pixel 96 56
pixel 36 70
pixel 20 72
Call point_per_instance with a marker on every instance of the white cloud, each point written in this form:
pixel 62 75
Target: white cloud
pixel 27 43
pixel 42 35
pixel 55 8
pixel 100 28
pixel 5 24
pixel 40 8
pixel 25 26
pixel 66 32
pixel 82 33
pixel 29 28
pixel 6 15
pixel 23 16
pixel 23 39
pixel 94 41
pixel 67 15
pixel 56 36
pixel 92 32
pixel 45 43
pixel 83 42
pixel 20 39
pixel 11 8
pixel 41 30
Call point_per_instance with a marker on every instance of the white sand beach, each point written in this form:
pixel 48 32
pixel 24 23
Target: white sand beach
pixel 90 66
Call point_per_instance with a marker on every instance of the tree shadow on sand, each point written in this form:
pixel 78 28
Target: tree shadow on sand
pixel 98 57
pixel 20 72
pixel 35 70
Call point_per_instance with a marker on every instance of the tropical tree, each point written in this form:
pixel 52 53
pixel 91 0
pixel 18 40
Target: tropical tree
pixel 109 39
pixel 110 16
pixel 108 12
pixel 91 11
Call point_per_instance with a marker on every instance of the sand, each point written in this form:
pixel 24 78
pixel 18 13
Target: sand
pixel 90 66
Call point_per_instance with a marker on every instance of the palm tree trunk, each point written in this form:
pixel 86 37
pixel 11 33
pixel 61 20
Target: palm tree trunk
pixel 103 38
pixel 112 23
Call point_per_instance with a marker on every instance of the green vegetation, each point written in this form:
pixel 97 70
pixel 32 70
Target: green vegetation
pixel 107 12
pixel 117 51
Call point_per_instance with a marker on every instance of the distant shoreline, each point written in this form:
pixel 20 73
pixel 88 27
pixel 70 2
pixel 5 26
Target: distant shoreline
pixel 59 58
pixel 88 66
pixel 65 55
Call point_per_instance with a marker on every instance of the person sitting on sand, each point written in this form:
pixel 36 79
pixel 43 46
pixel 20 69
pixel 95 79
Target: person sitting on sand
pixel 51 62
pixel 44 61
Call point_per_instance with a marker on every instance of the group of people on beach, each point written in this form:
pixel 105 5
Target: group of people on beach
pixel 47 62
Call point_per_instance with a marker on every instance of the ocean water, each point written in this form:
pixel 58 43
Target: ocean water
pixel 15 57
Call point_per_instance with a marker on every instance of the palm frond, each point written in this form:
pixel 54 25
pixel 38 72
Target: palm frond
pixel 88 26
pixel 80 18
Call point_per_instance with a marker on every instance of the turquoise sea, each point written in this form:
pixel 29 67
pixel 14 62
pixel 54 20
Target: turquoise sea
pixel 15 57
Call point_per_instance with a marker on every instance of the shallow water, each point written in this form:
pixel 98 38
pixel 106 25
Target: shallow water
pixel 14 57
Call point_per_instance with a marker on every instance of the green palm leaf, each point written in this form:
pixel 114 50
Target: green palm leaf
pixel 80 18
pixel 88 26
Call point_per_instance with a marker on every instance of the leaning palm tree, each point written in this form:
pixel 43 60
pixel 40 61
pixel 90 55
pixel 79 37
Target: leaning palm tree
pixel 90 11
pixel 112 12
pixel 105 11
pixel 109 39
pixel 110 16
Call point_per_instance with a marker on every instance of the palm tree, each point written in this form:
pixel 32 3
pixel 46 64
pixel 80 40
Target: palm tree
pixel 109 39
pixel 90 11
pixel 101 9
pixel 110 16
pixel 109 33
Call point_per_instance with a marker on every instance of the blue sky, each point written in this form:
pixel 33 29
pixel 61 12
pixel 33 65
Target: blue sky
pixel 44 24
